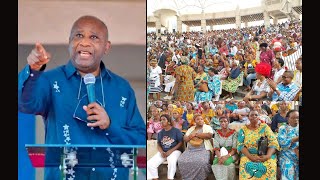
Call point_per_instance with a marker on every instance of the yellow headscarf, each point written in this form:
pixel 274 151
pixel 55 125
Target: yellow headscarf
pixel 178 110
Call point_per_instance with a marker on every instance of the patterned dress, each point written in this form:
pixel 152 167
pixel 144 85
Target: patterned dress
pixel 214 84
pixel 194 163
pixel 154 128
pixel 231 85
pixel 229 141
pixel 267 57
pixel 207 116
pixel 249 139
pixel 154 79
pixel 288 159
pixel 185 91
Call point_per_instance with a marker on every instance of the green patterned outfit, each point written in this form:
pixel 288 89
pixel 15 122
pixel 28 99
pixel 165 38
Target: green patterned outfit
pixel 256 170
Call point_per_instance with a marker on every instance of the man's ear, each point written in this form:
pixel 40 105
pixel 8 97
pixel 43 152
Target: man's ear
pixel 108 47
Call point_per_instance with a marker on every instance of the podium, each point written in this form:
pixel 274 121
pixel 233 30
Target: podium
pixel 67 156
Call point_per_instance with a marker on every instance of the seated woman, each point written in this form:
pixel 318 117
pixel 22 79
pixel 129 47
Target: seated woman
pixel 169 147
pixel 231 84
pixel 263 117
pixel 219 112
pixel 252 164
pixel 224 72
pixel 279 119
pixel 189 113
pixel 206 112
pixel 288 138
pixel 207 65
pixel 194 162
pixel 177 120
pixel 154 124
pixel 249 71
pixel 199 78
pixel 260 88
pixel 214 84
pixel 171 106
pixel 164 109
pixel 225 149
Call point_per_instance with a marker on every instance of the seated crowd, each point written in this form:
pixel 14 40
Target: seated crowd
pixel 193 66
pixel 261 138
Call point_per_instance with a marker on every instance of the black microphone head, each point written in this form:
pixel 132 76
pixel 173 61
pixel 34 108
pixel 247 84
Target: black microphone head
pixel 89 79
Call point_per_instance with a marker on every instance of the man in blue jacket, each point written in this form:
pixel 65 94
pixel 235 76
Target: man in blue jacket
pixel 60 96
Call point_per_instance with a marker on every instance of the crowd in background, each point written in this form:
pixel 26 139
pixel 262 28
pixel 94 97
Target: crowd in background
pixel 199 124
pixel 265 63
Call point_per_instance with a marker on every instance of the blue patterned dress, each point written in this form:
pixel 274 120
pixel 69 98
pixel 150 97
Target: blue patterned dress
pixel 288 160
pixel 214 84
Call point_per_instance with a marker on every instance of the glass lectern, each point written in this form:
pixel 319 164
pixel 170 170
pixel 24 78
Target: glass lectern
pixel 87 156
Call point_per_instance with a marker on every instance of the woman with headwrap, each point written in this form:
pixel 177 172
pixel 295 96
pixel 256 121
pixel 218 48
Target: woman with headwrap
pixel 177 120
pixel 260 87
pixel 183 87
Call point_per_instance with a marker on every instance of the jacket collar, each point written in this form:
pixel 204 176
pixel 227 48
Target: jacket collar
pixel 71 70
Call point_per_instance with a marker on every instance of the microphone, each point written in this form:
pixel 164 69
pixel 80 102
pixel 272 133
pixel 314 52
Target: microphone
pixel 89 80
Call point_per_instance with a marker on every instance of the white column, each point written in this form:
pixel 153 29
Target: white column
pixel 203 25
pixel 238 18
pixel 266 18
pixel 158 26
pixel 188 29
pixel 265 14
pixel 203 22
pixel 275 20
pixel 179 24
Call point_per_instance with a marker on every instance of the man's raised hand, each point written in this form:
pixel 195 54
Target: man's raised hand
pixel 38 57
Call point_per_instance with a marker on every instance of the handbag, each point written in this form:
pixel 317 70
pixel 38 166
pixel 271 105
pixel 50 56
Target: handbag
pixel 262 145
pixel 204 87
pixel 196 142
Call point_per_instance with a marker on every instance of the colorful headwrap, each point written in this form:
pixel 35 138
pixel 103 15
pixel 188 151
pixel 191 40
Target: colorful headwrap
pixel 178 110
pixel 173 105
pixel 264 69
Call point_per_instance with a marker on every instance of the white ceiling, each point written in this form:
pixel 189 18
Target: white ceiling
pixel 196 6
